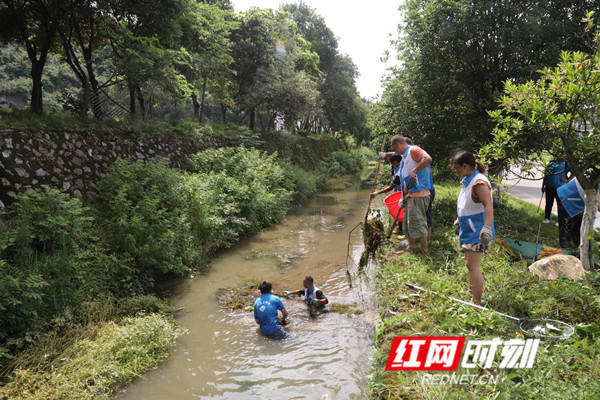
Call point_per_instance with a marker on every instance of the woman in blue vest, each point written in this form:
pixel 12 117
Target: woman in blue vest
pixel 475 210
pixel 570 213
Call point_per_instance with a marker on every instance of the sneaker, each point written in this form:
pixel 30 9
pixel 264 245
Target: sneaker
pixel 556 224
pixel 546 220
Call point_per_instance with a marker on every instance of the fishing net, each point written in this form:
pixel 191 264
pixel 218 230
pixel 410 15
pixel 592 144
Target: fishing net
pixel 546 328
pixel 536 327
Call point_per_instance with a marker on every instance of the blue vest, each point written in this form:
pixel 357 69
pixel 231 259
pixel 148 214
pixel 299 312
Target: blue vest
pixel 556 170
pixel 471 215
pixel 423 181
pixel 311 294
pixel 571 196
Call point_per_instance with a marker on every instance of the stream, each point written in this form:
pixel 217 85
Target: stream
pixel 224 357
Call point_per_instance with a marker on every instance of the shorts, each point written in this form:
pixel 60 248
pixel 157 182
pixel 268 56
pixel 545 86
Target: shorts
pixel 414 223
pixel 279 334
pixel 475 247
pixel 428 214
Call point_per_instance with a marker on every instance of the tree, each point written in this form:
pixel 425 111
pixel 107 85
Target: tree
pixel 145 39
pixel 34 24
pixel 343 110
pixel 343 106
pixel 206 29
pixel 82 35
pixel 253 48
pixel 455 56
pixel 58 81
pixel 283 93
pixel 144 63
pixel 558 114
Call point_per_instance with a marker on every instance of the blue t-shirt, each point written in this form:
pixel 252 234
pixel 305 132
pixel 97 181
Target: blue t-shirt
pixel 265 311
pixel 555 171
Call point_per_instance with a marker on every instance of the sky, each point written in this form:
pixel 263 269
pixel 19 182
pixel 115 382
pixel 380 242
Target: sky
pixel 362 28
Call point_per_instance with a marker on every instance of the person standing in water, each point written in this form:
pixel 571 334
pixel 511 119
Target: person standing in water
pixel 313 296
pixel 265 313
pixel 475 210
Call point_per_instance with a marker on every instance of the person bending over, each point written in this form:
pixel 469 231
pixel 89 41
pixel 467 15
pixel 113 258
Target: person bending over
pixel 265 313
pixel 313 296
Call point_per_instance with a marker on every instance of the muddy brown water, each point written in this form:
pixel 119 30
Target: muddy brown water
pixel 224 357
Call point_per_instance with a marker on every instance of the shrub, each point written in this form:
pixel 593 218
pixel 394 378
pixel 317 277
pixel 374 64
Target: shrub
pixel 259 188
pixel 215 217
pixel 346 162
pixel 301 182
pixel 144 215
pixel 48 258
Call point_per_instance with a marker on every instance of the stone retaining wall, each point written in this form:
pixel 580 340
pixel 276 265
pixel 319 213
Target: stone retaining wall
pixel 74 162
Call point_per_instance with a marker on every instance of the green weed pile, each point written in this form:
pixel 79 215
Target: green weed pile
pixel 373 234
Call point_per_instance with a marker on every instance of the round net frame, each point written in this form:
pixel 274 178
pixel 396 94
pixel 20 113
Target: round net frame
pixel 546 328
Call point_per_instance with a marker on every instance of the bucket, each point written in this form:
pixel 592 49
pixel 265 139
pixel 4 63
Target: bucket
pixel 393 204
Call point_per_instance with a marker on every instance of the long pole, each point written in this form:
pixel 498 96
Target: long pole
pixel 375 179
pixel 394 224
pixel 540 204
pixel 415 287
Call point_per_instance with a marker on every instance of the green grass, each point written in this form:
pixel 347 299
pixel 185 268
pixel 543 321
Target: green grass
pixel 97 362
pixel 567 369
pixel 75 123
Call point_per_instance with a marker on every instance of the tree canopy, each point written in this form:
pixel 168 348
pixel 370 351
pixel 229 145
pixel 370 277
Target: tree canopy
pixel 556 114
pixel 262 67
pixel 454 57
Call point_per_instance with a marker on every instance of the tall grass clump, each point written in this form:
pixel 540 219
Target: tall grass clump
pixel 96 365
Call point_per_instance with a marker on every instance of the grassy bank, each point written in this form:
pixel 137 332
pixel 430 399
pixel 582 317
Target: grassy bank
pixel 566 369
pixel 80 280
pixel 93 360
